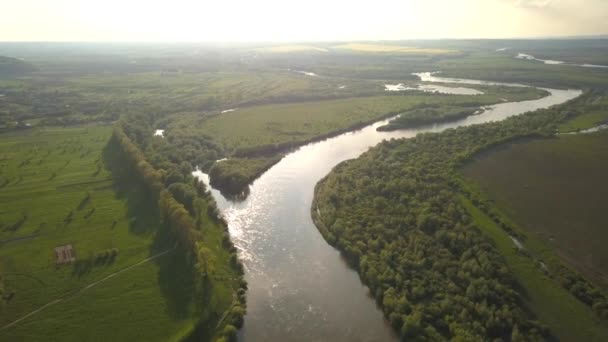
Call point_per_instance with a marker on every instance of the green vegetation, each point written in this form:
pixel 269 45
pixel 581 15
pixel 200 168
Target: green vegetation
pixel 553 306
pixel 398 213
pixel 596 113
pixel 205 251
pixel 390 48
pixel 269 130
pixel 47 175
pixel 506 68
pixel 270 127
pixel 429 113
pixel 291 48
pixel 459 107
pixel 555 188
pixel 274 128
pixel 12 67
pixel 235 174
pixel 588 120
pixel 69 99
pixel 58 188
pixel 398 216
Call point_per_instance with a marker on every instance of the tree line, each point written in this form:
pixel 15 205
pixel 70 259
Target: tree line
pixel 185 205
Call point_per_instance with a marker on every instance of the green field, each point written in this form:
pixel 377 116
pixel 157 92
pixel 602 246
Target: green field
pixel 596 116
pixel 568 318
pixel 395 49
pixel 57 190
pixel 278 124
pixel 506 68
pixel 555 188
pixel 76 99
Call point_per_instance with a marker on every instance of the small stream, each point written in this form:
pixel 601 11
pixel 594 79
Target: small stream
pixel 300 288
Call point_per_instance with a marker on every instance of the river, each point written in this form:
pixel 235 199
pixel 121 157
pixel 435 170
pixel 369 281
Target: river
pixel 300 289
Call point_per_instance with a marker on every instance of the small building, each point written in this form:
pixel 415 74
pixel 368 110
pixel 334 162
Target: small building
pixel 64 254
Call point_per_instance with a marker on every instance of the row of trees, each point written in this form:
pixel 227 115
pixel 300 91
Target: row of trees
pixel 396 215
pixel 185 205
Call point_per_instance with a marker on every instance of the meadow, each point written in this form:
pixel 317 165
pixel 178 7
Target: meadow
pixel 76 99
pixel 295 123
pixel 595 114
pixel 554 188
pixel 57 189
pixel 568 318
pixel 504 67
pixel 429 244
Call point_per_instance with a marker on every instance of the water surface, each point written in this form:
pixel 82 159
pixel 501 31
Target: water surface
pixel 433 88
pixel 300 289
pixel 552 62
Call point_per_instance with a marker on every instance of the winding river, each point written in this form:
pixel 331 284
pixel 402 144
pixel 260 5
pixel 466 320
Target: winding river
pixel 300 289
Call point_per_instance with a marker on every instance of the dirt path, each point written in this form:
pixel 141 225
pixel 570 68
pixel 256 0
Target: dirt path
pixel 81 290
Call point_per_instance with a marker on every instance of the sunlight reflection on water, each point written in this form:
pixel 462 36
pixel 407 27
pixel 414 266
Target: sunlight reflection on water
pixel 300 289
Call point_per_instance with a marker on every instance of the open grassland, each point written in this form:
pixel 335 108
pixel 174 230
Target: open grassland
pixel 555 188
pixel 382 48
pixel 432 112
pixel 591 118
pixel 506 68
pixel 585 121
pixel 270 130
pixel 56 189
pixel 569 319
pixel 294 123
pixel 74 99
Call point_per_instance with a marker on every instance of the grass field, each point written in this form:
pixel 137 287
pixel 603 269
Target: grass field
pixel 597 116
pixel 300 122
pixel 57 190
pixel 568 319
pixel 506 68
pixel 104 97
pixel 555 188
pixel 292 48
pixel 587 120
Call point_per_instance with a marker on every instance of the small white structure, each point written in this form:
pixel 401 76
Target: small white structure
pixel 64 254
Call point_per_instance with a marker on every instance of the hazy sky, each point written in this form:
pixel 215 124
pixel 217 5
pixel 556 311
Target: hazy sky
pixel 283 20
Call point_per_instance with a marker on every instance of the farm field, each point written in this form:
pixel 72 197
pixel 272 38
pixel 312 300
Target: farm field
pixel 554 188
pixel 267 125
pixel 57 190
pixel 76 99
pixel 505 67
pixel 99 141
pixel 595 116
pixel 568 318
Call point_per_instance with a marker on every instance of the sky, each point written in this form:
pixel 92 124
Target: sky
pixel 301 20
